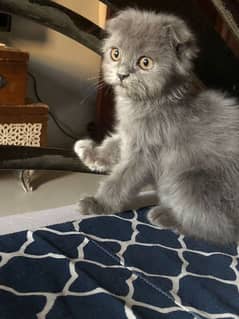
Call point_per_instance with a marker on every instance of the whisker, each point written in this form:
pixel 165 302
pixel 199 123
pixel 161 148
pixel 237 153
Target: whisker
pixel 98 85
pixel 96 77
pixel 95 84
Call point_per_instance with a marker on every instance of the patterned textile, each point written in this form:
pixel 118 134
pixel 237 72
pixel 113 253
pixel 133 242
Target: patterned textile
pixel 25 134
pixel 115 267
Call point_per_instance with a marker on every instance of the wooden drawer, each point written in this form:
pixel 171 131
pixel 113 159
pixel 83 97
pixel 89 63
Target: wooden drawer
pixel 24 125
pixel 13 76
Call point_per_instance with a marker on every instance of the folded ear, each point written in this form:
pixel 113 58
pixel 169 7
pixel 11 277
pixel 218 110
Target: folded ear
pixel 182 40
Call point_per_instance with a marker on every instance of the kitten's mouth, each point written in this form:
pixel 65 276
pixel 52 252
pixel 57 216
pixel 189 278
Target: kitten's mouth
pixel 121 84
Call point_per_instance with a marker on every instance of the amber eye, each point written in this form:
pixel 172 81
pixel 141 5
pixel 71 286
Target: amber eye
pixel 115 54
pixel 145 63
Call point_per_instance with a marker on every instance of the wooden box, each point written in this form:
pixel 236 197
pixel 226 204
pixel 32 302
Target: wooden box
pixel 13 76
pixel 24 125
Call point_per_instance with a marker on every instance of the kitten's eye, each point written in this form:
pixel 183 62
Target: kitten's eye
pixel 115 54
pixel 145 63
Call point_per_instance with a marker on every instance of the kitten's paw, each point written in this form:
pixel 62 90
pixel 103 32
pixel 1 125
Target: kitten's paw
pixel 85 150
pixel 162 217
pixel 90 206
pixel 99 165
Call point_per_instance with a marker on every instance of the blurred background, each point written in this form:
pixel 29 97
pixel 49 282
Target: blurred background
pixel 66 72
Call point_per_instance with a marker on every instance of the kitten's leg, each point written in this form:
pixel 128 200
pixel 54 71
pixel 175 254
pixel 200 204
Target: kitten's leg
pixel 99 158
pixel 200 208
pixel 162 216
pixel 116 190
pixel 212 214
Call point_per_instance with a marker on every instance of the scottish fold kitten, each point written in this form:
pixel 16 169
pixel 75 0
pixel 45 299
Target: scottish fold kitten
pixel 185 143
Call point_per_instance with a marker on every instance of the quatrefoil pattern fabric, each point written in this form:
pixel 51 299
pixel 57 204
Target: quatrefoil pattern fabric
pixel 116 267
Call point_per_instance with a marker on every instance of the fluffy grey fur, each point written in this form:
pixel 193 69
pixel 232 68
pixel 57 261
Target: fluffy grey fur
pixel 185 143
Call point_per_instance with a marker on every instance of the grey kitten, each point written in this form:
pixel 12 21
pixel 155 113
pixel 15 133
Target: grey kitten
pixel 185 143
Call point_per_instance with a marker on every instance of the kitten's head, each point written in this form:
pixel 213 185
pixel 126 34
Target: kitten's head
pixel 145 51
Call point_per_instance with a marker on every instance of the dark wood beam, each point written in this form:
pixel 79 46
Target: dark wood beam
pixel 39 158
pixel 58 18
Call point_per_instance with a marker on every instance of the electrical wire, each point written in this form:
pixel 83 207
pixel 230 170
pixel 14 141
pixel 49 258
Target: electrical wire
pixel 53 117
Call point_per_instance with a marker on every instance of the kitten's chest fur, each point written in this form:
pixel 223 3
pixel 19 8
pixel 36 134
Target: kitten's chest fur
pixel 146 129
pixel 144 132
pixel 146 121
pixel 135 124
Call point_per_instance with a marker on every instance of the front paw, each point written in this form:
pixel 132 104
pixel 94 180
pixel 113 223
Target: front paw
pixel 90 206
pixel 86 151
pixel 162 217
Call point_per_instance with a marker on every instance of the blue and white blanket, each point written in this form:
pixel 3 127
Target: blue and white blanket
pixel 115 267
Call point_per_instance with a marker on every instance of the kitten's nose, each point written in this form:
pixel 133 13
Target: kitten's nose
pixel 122 76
